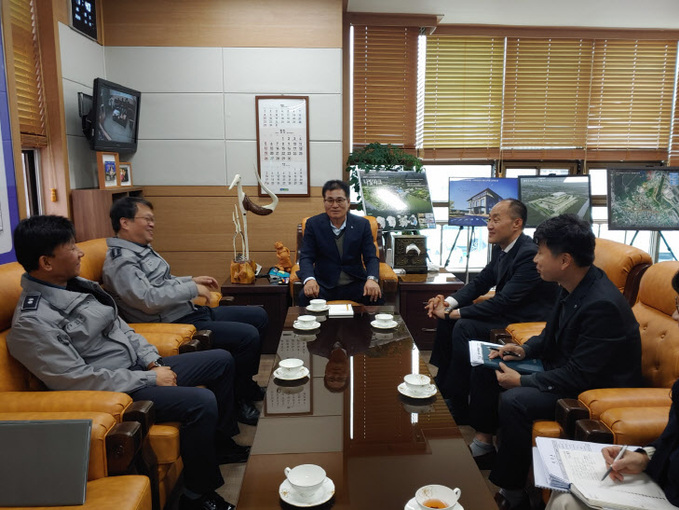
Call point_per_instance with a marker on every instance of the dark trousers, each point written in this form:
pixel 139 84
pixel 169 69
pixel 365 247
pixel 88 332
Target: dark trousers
pixel 510 414
pixel 237 329
pixel 352 291
pixel 205 414
pixel 451 355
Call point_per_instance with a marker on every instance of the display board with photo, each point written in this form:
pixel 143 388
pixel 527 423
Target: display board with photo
pixel 547 196
pixel 470 200
pixel 399 200
pixel 643 198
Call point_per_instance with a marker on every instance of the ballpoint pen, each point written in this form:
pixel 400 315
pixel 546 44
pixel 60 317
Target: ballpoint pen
pixel 617 457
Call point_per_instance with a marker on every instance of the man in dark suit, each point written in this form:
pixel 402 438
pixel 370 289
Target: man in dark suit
pixel 335 248
pixel 520 296
pixel 591 340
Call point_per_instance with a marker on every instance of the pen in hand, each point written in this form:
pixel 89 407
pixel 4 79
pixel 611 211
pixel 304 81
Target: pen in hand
pixel 617 457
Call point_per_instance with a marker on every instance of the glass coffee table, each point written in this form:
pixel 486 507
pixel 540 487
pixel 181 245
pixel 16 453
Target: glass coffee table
pixel 346 414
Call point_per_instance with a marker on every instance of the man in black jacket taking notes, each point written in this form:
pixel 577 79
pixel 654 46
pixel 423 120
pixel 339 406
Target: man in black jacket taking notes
pixel 520 296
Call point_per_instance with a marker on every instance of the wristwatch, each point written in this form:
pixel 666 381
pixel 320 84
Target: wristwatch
pixel 158 363
pixel 373 278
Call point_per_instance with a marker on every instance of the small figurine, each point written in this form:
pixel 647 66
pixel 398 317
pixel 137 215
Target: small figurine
pixel 283 254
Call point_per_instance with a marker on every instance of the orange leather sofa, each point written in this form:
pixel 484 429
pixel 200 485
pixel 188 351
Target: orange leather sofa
pixel 20 391
pixel 127 492
pixel 632 415
pixel 388 279
pixel 623 264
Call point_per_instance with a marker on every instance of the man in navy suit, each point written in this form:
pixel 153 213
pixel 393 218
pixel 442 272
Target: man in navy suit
pixel 338 259
pixel 591 340
pixel 520 296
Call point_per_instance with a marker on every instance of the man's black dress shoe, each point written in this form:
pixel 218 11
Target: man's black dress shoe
pixel 486 461
pixel 209 501
pixel 232 453
pixel 247 413
pixel 256 392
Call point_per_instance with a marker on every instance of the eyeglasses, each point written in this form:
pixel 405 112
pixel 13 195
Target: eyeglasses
pixel 147 219
pixel 338 201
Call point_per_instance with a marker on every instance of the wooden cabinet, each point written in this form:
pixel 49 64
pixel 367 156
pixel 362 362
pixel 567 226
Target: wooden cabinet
pixel 275 299
pixel 91 208
pixel 414 292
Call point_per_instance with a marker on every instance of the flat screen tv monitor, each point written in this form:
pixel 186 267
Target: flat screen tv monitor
pixel 643 198
pixel 470 200
pixel 399 200
pixel 546 196
pixel 114 117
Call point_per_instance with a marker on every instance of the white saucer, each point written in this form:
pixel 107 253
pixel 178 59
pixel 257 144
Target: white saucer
pixel 319 309
pixel 288 494
pixel 298 325
pixel 403 390
pixel 301 374
pixel 389 325
pixel 412 505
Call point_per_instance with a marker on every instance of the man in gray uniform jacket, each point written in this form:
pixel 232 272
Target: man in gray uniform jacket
pixel 67 332
pixel 140 281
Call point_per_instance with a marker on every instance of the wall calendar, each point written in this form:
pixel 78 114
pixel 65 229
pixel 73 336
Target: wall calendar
pixel 283 144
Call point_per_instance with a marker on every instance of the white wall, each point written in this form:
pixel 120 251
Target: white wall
pixel 197 121
pixel 571 13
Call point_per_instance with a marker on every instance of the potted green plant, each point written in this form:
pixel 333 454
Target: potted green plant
pixel 376 156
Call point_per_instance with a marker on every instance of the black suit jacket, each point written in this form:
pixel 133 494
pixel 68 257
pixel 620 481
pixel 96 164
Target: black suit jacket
pixel 320 258
pixel 520 294
pixel 593 342
pixel 664 466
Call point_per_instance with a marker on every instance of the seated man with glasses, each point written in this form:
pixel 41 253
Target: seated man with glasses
pixel 337 259
pixel 140 281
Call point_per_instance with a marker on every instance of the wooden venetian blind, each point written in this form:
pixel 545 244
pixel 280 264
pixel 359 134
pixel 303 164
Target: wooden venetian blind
pixel 546 96
pixel 673 156
pixel 632 95
pixel 385 84
pixel 27 74
pixel 463 97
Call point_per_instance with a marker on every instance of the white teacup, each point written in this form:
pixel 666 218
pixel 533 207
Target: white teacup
pixel 417 383
pixel 290 366
pixel 317 304
pixel 306 321
pixel 437 496
pixel 384 319
pixel 305 479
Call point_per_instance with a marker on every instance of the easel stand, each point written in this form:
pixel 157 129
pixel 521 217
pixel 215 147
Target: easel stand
pixel 470 240
pixel 667 245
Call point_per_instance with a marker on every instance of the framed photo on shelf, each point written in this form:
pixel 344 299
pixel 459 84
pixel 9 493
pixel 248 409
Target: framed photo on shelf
pixel 109 170
pixel 283 144
pixel 125 174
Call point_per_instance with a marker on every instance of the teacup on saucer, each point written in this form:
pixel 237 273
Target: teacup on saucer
pixel 306 321
pixel 384 319
pixel 437 496
pixel 317 305
pixel 305 479
pixel 417 383
pixel 290 366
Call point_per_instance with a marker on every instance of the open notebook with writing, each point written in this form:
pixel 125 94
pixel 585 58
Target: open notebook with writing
pixel 578 466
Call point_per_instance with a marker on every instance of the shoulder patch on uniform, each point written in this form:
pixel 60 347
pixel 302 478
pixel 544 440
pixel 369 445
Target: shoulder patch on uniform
pixel 30 302
pixel 116 252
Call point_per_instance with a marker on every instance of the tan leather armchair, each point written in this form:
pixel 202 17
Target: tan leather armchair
pixel 127 492
pixel 388 279
pixel 20 391
pixel 635 415
pixel 168 338
pixel 623 264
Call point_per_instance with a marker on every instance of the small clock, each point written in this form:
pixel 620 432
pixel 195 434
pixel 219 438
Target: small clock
pixel 84 17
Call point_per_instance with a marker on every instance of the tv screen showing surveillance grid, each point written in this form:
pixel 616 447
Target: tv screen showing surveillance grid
pixel 549 196
pixel 470 200
pixel 399 200
pixel 117 116
pixel 643 198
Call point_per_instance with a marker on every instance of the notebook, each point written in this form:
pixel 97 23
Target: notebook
pixel 479 352
pixel 44 463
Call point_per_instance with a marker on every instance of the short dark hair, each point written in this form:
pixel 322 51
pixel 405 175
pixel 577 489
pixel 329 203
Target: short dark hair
pixel 125 207
pixel 336 184
pixel 675 282
pixel 517 210
pixel 40 235
pixel 567 233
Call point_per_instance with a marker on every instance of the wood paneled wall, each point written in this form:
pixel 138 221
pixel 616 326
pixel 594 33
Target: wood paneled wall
pixel 223 23
pixel 194 229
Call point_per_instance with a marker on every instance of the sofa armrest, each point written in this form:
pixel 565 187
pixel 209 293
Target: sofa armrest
pixel 111 402
pixel 123 444
pixel 522 331
pixel 142 412
pixel 592 431
pixel 168 344
pixel 599 400
pixel 215 298
pixel 388 279
pixel 568 411
pixel 631 425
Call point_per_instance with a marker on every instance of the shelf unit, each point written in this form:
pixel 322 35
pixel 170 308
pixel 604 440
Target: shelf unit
pixel 91 210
